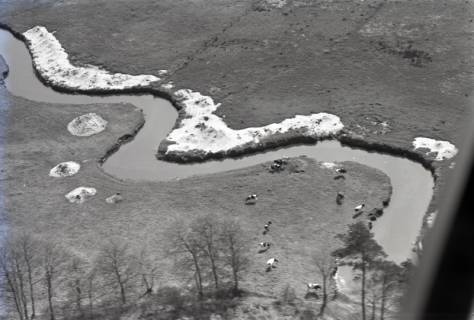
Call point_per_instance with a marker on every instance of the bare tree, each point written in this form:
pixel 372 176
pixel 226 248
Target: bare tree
pixel 207 229
pixel 53 260
pixel 184 245
pixel 117 265
pixel 147 270
pixel 325 267
pixel 19 265
pixel 77 271
pixel 9 276
pixel 235 250
pixel 29 251
pixel 90 287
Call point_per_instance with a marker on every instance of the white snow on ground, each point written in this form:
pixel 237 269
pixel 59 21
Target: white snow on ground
pixel 65 169
pixel 52 62
pixel 277 3
pixel 115 198
pixel 168 85
pixel 328 165
pixel 443 149
pixel 79 195
pixel 201 130
pixel 87 125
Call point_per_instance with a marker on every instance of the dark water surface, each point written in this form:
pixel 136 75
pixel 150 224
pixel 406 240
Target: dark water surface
pixel 395 230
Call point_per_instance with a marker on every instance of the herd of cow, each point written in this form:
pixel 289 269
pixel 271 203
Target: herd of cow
pixel 264 246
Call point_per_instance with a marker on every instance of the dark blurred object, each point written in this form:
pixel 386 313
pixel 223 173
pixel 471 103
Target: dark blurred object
pixel 443 285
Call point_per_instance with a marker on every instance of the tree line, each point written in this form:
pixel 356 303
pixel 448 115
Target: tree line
pixel 42 279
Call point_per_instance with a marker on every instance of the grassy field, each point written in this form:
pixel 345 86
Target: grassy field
pixel 300 200
pixel 406 63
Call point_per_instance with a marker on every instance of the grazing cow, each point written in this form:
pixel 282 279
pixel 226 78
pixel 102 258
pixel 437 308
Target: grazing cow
pixel 251 199
pixel 313 286
pixel 339 198
pixel 265 244
pixel 266 227
pixel 271 263
pixel 275 167
pixel 341 170
pixel 359 207
pixel 280 161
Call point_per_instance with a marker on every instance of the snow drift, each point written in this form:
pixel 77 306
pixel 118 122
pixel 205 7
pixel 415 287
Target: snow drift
pixel 80 194
pixel 65 169
pixel 200 130
pixel 87 125
pixel 442 149
pixel 52 63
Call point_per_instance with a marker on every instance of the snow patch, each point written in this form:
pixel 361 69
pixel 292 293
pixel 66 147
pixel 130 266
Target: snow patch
pixel 115 198
pixel 87 125
pixel 168 85
pixel 443 149
pixel 52 63
pixel 277 3
pixel 328 165
pixel 65 169
pixel 202 131
pixel 79 195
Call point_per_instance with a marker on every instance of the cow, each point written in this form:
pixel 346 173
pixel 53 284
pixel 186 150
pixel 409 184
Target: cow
pixel 266 227
pixel 251 199
pixel 271 263
pixel 339 198
pixel 359 208
pixel 265 244
pixel 264 247
pixel 313 286
pixel 341 170
pixel 275 167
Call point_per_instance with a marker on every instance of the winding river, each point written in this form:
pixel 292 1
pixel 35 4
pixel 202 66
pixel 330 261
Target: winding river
pixel 395 230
